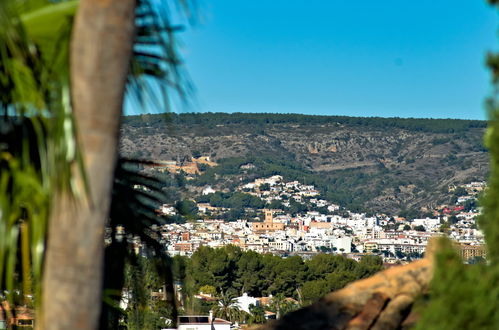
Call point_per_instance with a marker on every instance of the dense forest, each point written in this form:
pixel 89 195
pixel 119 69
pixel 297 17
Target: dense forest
pixel 228 272
pixel 390 165
pixel 231 271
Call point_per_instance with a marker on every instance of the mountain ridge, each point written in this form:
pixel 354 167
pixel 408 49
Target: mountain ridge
pixel 365 163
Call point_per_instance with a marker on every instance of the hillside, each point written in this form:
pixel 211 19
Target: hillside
pixel 389 165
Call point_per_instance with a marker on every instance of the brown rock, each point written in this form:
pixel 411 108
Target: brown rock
pixel 409 279
pixel 394 313
pixel 369 313
pixel 381 301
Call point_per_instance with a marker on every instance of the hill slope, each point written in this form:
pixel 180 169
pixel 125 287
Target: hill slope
pixel 378 164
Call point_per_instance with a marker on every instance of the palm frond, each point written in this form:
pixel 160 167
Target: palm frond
pixel 136 197
pixel 42 158
pixel 37 140
pixel 156 72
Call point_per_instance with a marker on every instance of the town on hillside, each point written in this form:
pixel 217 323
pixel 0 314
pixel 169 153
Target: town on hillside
pixel 293 219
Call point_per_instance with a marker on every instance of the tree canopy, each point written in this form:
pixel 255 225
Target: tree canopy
pixel 233 271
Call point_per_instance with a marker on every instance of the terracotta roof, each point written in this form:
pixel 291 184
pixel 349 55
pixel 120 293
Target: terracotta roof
pixel 264 300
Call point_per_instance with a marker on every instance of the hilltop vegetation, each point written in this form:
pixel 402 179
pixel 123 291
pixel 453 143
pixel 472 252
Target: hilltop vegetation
pixel 392 165
pixel 233 271
pixel 214 119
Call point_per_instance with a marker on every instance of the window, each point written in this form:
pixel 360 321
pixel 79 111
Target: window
pixel 25 322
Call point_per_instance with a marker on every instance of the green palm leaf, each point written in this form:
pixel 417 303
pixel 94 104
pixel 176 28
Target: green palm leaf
pixel 38 150
pixel 37 140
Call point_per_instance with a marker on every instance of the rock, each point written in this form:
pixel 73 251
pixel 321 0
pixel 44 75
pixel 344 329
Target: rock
pixel 369 313
pixel 381 302
pixel 394 313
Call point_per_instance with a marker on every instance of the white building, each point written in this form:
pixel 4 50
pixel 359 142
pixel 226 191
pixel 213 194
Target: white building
pixel 342 244
pixel 427 223
pixel 201 322
pixel 167 209
pixel 245 301
pixel 281 245
pixel 208 190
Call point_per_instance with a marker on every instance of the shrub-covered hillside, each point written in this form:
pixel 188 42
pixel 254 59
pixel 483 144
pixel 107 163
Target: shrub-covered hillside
pixel 377 164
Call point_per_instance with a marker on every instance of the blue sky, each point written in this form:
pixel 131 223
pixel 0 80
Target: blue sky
pixel 341 57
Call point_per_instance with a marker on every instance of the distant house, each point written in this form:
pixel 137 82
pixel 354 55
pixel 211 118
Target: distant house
pixel 199 322
pixel 166 209
pixel 184 246
pixel 23 317
pixel 333 207
pixel 208 190
pixel 428 223
pixel 205 297
pixel 245 301
pixel 470 251
pixel 247 166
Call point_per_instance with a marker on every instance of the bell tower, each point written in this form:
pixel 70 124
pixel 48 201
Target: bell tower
pixel 268 216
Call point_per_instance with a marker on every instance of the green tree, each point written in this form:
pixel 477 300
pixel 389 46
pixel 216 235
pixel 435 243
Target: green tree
pixel 290 274
pixel 36 49
pixel 322 264
pixel 179 264
pixel 228 309
pixel 181 179
pixel 282 305
pixel 338 280
pixel 257 315
pixel 470 205
pixel 420 228
pixel 187 208
pixel 144 311
pixel 369 265
pixel 249 277
pixel 460 191
pixel 264 187
pixel 211 267
pixel 399 254
pixel 313 290
pixel 275 204
pixel 268 272
pixel 444 227
pixel 208 289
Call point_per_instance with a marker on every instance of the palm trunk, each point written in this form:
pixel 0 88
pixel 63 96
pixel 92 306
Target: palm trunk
pixel 100 54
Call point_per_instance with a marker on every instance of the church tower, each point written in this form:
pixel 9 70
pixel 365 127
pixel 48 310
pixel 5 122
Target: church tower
pixel 268 216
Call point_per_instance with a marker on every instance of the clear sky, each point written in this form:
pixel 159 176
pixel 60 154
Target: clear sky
pixel 385 58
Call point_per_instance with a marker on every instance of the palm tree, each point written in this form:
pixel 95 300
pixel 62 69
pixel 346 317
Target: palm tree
pixel 38 145
pixel 228 308
pixel 276 304
pixel 282 305
pixel 41 91
pixel 101 50
pixel 257 315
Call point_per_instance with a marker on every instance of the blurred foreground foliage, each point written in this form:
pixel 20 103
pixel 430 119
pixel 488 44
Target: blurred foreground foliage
pixel 467 296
